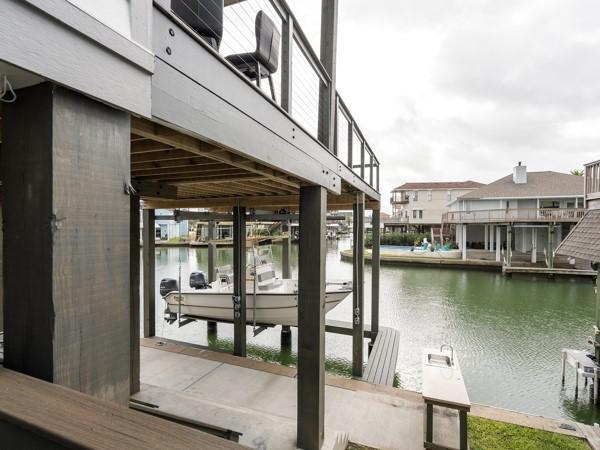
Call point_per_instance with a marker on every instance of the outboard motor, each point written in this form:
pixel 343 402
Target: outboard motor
pixel 168 285
pixel 198 280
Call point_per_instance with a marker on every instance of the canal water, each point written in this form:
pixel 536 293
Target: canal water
pixel 507 333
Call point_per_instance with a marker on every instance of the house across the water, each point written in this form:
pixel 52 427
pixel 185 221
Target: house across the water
pixel 530 212
pixel 420 206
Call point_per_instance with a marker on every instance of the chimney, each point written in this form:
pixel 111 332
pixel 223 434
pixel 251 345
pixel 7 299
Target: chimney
pixel 520 174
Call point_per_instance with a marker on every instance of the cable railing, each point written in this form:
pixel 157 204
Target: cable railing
pixel 293 77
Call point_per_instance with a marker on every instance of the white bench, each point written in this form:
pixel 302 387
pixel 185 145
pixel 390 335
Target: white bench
pixel 443 385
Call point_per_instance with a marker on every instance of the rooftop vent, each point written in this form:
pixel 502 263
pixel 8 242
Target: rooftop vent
pixel 520 174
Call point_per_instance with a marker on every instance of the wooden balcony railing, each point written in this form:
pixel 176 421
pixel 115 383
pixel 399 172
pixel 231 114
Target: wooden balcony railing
pixel 515 215
pixel 397 219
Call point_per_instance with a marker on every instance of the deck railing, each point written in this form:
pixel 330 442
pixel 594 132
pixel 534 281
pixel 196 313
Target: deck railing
pixel 301 83
pixel 397 219
pixel 592 180
pixel 515 215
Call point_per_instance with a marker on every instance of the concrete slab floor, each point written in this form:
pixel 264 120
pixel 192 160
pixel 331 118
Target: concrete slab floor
pixel 262 405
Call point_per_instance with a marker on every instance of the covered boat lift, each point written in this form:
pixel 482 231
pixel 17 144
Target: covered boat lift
pixel 128 106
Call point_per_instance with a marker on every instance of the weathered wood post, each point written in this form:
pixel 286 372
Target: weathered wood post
pixel 286 273
pixel 149 262
pixel 65 173
pixel 134 288
pixel 358 288
pixel 509 235
pixel 239 281
pixel 311 318
pixel 211 325
pixel 550 251
pixel 498 243
pixel 375 262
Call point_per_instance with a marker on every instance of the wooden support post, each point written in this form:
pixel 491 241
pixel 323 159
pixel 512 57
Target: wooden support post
pixel 148 256
pixel 212 273
pixel 327 93
pixel 65 165
pixel 239 281
pixel 1 274
pixel 550 251
pixel 134 287
pixel 509 236
pixel 375 261
pixel 311 318
pixel 287 41
pixel 463 240
pixel 498 243
pixel 358 262
pixel 286 253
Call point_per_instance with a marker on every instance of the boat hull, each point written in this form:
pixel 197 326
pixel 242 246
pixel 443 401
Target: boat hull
pixel 271 308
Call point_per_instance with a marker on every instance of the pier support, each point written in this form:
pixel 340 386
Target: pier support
pixel 463 241
pixel 311 318
pixel 286 252
pixel 65 166
pixel 286 336
pixel 358 291
pixel 550 249
pixel 148 253
pixel 211 250
pixel 498 243
pixel 239 281
pixel 509 236
pixel 375 261
pixel 534 245
pixel 486 243
pixel 134 288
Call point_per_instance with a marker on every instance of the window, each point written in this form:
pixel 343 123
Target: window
pixel 415 196
pixel 414 213
pixel 420 214
pixel 449 196
pixel 429 196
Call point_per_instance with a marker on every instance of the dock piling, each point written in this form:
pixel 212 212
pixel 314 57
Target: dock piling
pixel 239 281
pixel 149 272
pixel 358 265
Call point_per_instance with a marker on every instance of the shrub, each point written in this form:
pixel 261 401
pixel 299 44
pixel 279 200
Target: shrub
pixel 398 239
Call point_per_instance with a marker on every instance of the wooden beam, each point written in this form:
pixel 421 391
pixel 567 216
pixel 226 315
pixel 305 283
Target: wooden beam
pixel 152 189
pixel 327 93
pixel 334 202
pixel 197 161
pixel 148 146
pixel 194 170
pixel 215 179
pixel 166 155
pixel 198 147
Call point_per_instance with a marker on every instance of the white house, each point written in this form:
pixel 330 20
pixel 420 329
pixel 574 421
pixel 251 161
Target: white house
pixel 527 212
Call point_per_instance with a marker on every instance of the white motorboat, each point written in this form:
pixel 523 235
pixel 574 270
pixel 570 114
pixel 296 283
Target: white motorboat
pixel 273 300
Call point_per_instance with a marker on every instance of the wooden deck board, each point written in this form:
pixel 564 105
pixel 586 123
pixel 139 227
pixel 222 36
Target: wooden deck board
pixel 72 419
pixel 381 366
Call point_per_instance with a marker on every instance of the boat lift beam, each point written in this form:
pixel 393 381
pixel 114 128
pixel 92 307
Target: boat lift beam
pixel 179 215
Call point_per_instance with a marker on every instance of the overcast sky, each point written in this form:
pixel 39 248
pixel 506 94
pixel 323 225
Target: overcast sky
pixel 449 90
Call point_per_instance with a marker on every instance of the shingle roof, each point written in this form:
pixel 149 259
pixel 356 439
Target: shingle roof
pixel 439 185
pixel 539 184
pixel 584 239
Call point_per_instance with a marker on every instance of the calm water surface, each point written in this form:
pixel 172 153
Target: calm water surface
pixel 508 333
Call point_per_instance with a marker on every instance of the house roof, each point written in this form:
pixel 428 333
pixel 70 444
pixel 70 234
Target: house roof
pixel 439 185
pixel 584 239
pixel 539 184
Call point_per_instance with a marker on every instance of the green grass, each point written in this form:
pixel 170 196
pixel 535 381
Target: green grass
pixel 485 434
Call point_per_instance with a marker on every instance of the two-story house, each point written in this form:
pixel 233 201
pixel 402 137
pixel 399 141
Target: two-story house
pixel 525 212
pixel 420 206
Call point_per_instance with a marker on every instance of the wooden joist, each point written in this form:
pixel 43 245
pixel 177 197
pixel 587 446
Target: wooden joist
pixel 381 366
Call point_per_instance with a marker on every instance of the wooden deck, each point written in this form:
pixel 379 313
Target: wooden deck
pixel 45 415
pixel 533 270
pixel 381 366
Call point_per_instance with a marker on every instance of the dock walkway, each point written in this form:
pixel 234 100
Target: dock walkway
pixel 258 399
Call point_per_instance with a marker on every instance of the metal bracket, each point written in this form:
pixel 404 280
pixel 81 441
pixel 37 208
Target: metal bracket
pixel 356 316
pixel 237 305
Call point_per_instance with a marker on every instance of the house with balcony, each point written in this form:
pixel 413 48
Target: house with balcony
pixel 420 206
pixel 592 185
pixel 525 213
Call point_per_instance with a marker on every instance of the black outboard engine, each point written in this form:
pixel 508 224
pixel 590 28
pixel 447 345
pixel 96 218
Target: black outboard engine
pixel 198 280
pixel 168 285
